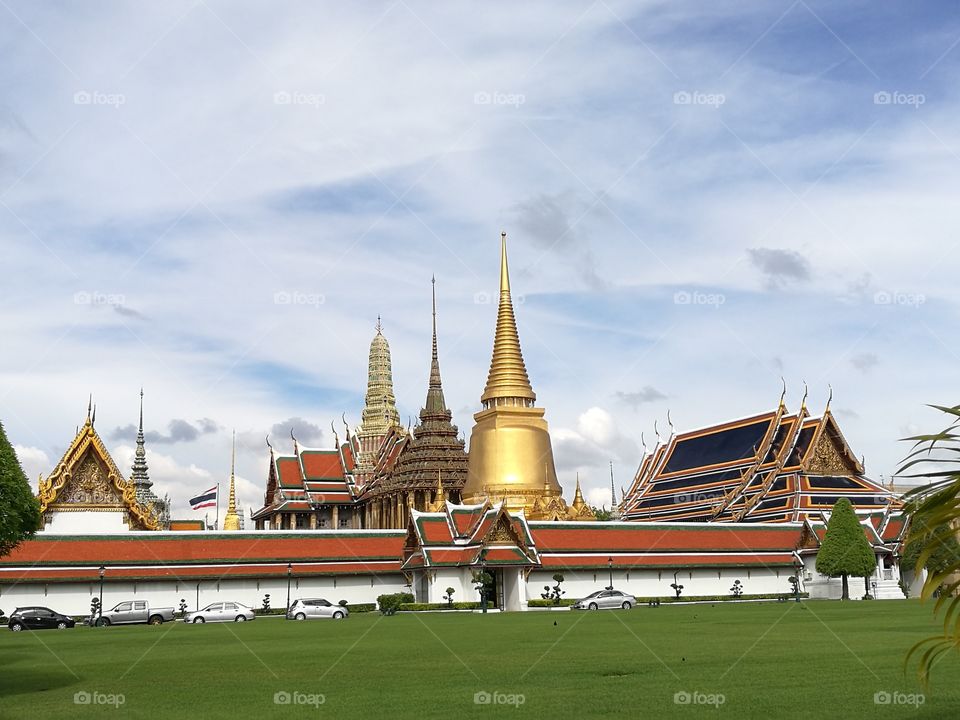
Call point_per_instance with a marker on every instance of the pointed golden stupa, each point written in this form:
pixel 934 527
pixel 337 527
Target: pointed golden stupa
pixel 511 458
pixel 231 520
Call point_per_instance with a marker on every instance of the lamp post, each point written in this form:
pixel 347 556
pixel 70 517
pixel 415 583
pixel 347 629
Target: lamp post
pixel 483 580
pixel 798 568
pixel 289 574
pixel 610 570
pixel 198 596
pixel 100 607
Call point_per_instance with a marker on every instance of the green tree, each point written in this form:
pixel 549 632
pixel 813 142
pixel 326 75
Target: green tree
pixel 602 514
pixel 845 550
pixel 19 508
pixel 934 512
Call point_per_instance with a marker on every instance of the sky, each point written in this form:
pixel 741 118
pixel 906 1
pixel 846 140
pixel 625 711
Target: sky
pixel 214 201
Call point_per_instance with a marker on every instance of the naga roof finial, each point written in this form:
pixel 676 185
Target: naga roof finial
pixel 783 393
pixel 829 399
pixel 296 445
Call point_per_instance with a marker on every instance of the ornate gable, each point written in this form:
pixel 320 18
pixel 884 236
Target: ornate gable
pixel 87 478
pixel 830 454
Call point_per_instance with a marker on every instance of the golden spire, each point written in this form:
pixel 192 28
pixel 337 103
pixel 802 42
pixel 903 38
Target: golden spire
pixel 578 501
pixel 232 521
pixel 508 375
pixel 441 498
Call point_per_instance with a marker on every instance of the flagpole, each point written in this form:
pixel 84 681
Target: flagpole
pixel 217 523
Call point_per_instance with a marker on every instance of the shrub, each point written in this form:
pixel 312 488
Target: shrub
pixel 342 603
pixel 418 607
pixel 390 603
pixel 362 607
pixel 564 602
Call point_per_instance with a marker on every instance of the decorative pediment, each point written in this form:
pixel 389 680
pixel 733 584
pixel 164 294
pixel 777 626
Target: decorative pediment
pixel 826 458
pixel 87 478
pixel 829 453
pixel 89 486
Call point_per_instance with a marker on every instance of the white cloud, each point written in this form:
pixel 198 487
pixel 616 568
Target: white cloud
pixel 34 462
pixel 200 198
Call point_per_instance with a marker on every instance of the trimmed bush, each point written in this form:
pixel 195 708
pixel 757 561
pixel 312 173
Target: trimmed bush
pixel 362 607
pixel 564 602
pixel 390 603
pixel 417 607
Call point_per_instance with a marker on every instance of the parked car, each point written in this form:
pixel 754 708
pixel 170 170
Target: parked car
pixel 315 609
pixel 606 600
pixel 221 612
pixel 135 611
pixel 38 618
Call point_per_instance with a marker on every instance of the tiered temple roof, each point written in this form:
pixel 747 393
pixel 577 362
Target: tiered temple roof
pixel 773 467
pixel 468 535
pixel 309 478
pixel 435 446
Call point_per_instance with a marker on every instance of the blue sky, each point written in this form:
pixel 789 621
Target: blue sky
pixel 216 201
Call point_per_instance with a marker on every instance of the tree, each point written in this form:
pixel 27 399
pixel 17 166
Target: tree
pixel 556 593
pixel 449 596
pixel 845 550
pixel 934 512
pixel 737 589
pixel 20 516
pixel 602 514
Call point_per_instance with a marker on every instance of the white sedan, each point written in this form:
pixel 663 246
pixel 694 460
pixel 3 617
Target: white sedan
pixel 606 600
pixel 221 612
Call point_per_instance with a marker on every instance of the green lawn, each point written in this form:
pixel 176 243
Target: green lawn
pixel 768 660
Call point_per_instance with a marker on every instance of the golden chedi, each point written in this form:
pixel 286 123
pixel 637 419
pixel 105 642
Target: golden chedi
pixel 511 458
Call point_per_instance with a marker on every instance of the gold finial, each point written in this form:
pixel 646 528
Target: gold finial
pixel 783 394
pixel 578 501
pixel 232 521
pixel 508 375
pixel 829 399
pixel 89 405
pixel 379 326
pixel 803 403
pixel 441 498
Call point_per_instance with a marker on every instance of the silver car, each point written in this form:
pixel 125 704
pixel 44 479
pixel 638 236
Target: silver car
pixel 606 600
pixel 221 612
pixel 315 609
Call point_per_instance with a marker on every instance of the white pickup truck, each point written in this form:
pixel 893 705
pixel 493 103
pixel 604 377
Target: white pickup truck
pixel 135 611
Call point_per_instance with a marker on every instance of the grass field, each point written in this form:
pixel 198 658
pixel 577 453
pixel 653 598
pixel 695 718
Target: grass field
pixel 766 660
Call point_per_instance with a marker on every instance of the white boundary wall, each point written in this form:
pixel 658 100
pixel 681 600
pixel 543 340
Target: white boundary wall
pixel 74 598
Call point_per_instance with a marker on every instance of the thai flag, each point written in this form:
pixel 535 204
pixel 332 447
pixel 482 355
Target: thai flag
pixel 208 498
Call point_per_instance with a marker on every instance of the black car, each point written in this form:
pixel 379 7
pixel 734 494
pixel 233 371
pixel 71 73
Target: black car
pixel 38 618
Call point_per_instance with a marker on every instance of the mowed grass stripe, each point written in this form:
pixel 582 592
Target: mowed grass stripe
pixel 766 659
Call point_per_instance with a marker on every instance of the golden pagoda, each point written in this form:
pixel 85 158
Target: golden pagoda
pixel 511 458
pixel 232 521
pixel 380 414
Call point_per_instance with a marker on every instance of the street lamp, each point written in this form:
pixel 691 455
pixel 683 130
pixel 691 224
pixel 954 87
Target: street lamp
pixel 796 586
pixel 100 607
pixel 610 569
pixel 289 573
pixel 483 580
